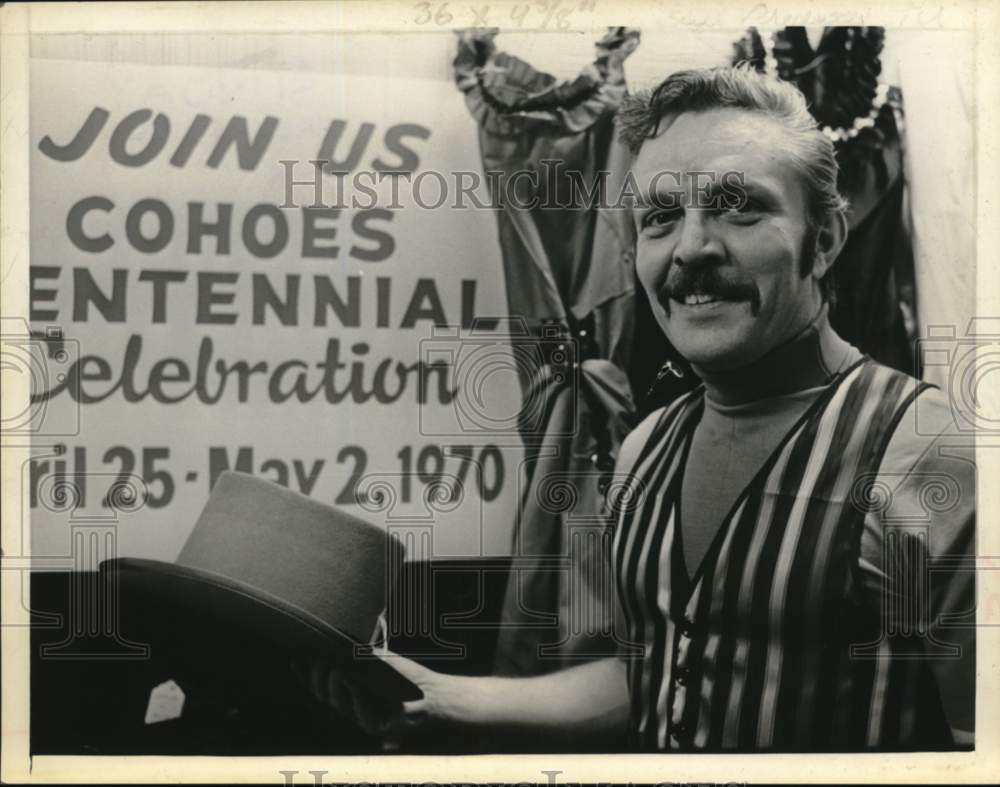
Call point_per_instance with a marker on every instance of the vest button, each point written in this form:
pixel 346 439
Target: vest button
pixel 686 627
pixel 682 675
pixel 680 732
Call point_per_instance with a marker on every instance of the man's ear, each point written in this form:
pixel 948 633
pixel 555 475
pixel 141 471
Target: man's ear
pixel 830 239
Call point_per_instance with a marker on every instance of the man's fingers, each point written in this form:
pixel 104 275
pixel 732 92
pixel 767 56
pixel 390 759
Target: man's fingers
pixel 319 675
pixel 338 695
pixel 412 717
pixel 408 668
pixel 415 709
pixel 372 715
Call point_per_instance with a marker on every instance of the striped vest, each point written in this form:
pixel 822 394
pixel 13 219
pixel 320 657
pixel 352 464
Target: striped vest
pixel 765 647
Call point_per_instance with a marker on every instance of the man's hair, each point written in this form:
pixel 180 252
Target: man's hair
pixel 742 87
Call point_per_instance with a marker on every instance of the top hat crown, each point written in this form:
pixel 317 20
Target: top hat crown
pixel 283 565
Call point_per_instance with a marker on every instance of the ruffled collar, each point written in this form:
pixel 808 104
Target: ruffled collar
pixel 507 96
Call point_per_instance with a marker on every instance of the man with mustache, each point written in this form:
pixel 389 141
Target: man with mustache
pixel 781 576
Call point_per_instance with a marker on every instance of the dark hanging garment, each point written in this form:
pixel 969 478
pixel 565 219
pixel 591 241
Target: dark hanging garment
pixel 875 306
pixel 876 299
pixel 569 270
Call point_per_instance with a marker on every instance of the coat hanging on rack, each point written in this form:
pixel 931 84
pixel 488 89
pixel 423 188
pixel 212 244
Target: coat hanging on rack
pixel 569 270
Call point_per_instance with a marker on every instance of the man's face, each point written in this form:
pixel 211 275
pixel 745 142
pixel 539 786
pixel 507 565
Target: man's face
pixel 725 283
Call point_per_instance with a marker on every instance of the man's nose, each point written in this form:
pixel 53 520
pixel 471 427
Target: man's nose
pixel 698 243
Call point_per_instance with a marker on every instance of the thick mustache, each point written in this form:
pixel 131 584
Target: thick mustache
pixel 707 281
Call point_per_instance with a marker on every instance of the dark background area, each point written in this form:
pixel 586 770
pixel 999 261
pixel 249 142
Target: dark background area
pixel 89 692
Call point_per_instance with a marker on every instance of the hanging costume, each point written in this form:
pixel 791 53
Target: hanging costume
pixel 841 81
pixel 569 271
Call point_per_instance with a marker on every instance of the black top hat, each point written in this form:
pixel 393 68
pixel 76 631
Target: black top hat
pixel 285 566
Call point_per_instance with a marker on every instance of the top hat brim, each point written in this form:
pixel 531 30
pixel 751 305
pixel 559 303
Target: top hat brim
pixel 205 596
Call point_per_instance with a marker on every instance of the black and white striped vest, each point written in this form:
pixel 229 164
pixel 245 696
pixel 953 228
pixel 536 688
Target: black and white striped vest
pixel 772 645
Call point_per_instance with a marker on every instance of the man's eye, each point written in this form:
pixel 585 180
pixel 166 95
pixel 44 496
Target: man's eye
pixel 739 207
pixel 660 218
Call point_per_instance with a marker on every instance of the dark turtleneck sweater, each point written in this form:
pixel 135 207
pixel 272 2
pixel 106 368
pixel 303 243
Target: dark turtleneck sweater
pixel 747 413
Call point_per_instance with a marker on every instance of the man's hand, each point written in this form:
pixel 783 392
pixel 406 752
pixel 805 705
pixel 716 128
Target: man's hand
pixel 444 701
pixel 585 703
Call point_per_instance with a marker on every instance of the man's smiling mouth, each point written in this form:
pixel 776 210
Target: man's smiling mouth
pixel 700 300
pixel 703 299
pixel 703 291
